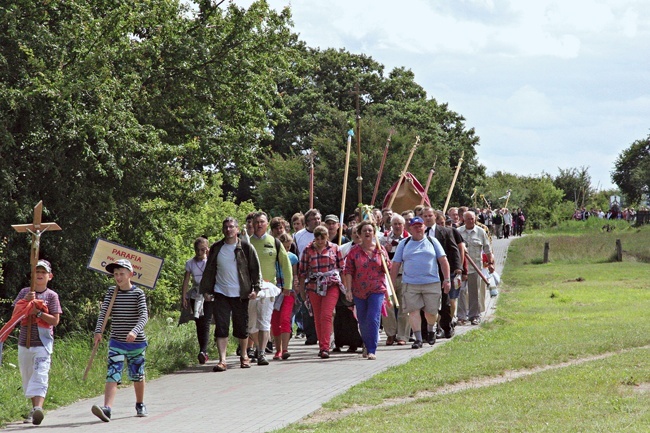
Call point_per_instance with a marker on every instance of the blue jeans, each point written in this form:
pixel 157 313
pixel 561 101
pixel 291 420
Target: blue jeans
pixel 369 317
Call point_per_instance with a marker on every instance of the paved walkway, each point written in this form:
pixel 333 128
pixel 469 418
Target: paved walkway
pixel 258 399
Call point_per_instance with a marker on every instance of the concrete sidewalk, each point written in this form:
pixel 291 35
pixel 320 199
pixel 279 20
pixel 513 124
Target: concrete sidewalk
pixel 259 399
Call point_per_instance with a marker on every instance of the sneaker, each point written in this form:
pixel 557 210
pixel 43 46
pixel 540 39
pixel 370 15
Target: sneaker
pixel 269 347
pixel 141 410
pixel 37 416
pixel 417 344
pixel 277 356
pixel 102 412
pixel 285 355
pixel 252 353
pixel 261 360
pixel 203 358
pixel 325 354
pixel 476 321
pixel 29 419
pixel 431 338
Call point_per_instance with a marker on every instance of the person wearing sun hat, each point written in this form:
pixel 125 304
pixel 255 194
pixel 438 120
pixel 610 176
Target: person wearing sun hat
pixel 127 341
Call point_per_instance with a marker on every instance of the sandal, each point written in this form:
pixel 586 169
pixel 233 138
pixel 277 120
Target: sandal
pixel 221 366
pixel 277 356
pixel 244 362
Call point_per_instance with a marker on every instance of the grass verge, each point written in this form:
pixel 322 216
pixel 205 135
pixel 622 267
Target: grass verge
pixel 563 311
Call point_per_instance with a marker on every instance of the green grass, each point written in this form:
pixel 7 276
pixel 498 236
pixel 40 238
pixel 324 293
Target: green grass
pixel 570 309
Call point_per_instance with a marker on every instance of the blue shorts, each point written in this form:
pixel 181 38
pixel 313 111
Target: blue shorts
pixel 118 351
pixel 454 293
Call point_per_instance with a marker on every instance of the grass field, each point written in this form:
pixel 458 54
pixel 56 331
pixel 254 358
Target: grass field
pixel 568 351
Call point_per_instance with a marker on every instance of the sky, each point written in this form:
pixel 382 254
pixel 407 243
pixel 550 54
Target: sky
pixel 545 84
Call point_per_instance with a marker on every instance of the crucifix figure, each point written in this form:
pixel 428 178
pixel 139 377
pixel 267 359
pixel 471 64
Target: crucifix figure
pixel 36 229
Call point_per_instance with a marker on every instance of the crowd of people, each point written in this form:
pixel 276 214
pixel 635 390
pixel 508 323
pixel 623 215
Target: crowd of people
pixel 417 274
pixel 613 213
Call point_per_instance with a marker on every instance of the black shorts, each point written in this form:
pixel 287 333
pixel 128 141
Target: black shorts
pixel 223 307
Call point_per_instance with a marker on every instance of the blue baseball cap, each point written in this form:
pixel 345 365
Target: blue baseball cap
pixel 416 220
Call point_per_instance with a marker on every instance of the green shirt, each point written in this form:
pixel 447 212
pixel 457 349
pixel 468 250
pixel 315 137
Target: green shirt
pixel 266 251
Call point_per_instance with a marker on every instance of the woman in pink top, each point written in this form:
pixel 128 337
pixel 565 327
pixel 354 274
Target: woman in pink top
pixel 365 279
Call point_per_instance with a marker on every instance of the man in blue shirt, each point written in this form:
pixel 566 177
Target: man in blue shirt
pixel 421 255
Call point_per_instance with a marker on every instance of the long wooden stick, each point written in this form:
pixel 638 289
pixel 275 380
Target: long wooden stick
pixel 345 186
pixel 507 198
pixel 103 328
pixel 480 272
pixel 453 182
pixel 381 168
pixel 426 188
pixel 403 175
pixel 386 271
pixel 311 182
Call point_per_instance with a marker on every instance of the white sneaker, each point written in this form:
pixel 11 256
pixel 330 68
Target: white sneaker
pixel 37 416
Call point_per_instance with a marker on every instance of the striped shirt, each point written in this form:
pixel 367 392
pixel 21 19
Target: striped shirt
pixel 129 314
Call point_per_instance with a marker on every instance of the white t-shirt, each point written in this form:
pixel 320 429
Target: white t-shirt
pixel 302 238
pixel 227 281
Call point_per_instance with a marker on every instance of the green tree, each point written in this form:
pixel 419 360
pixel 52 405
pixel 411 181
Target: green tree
pixel 119 115
pixel 576 184
pixel 632 170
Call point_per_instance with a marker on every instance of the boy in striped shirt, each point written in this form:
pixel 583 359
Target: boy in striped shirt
pixel 127 339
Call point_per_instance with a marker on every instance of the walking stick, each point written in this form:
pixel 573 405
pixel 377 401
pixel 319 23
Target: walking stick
pixel 480 273
pixel 426 188
pixel 386 272
pixel 381 168
pixel 345 184
pixel 453 182
pixel 103 328
pixel 403 175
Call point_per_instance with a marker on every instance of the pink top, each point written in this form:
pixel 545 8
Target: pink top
pixel 367 272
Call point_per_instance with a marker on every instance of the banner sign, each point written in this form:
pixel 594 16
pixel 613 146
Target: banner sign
pixel 146 268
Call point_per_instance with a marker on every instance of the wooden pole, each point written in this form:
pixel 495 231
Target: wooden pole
pixel 103 328
pixel 426 188
pixel 36 229
pixel 381 168
pixel 478 270
pixel 345 184
pixel 311 180
pixel 546 248
pixel 386 272
pixel 507 199
pixel 453 183
pixel 403 175
pixel 619 251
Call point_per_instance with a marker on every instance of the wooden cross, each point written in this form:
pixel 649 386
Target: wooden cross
pixel 36 229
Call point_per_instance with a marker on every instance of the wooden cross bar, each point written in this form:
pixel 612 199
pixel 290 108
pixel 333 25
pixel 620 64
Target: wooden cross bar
pixel 36 229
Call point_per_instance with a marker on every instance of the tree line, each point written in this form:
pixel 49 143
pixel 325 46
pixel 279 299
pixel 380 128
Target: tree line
pixel 146 123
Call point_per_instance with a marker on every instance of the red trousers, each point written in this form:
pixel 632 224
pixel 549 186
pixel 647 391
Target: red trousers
pixel 281 320
pixel 323 307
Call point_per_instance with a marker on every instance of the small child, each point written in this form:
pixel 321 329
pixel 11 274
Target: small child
pixel 127 339
pixel 35 360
